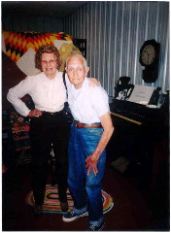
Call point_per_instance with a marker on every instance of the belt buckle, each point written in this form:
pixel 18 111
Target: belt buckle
pixel 77 124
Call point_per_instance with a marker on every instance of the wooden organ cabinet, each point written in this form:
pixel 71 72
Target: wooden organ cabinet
pixel 141 137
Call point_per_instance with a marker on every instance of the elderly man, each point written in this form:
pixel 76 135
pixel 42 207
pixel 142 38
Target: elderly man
pixel 90 133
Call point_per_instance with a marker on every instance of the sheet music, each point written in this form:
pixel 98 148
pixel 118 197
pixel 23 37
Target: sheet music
pixel 141 94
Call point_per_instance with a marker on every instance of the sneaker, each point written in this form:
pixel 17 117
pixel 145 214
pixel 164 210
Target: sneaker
pixel 72 216
pixel 96 228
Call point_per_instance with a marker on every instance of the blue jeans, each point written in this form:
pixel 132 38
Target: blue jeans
pixel 86 189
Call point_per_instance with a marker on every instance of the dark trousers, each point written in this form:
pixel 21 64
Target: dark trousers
pixel 45 131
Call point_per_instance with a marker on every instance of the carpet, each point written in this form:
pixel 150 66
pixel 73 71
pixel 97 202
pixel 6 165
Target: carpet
pixel 52 205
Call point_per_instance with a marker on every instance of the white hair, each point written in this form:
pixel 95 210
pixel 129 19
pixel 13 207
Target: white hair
pixel 79 56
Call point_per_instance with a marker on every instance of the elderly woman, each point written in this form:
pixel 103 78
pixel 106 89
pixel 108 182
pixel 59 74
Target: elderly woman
pixel 48 126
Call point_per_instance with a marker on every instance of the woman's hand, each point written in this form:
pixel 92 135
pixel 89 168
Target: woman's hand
pixel 93 82
pixel 91 165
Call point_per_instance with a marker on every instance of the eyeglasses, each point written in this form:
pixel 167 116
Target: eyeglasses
pixel 50 62
pixel 77 69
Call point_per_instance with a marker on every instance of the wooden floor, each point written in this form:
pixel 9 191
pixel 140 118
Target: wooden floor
pixel 133 209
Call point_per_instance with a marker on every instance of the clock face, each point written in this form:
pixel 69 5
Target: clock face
pixel 149 58
pixel 148 54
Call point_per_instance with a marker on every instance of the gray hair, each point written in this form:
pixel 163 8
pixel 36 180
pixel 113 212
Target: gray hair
pixel 75 54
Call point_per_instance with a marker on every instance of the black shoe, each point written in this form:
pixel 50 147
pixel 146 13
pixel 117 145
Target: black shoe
pixel 38 209
pixel 64 206
pixel 96 228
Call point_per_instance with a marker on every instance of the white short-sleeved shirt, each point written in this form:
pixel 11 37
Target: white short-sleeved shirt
pixel 47 94
pixel 88 103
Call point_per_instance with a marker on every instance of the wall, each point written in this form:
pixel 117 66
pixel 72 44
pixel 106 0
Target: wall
pixel 115 31
pixel 22 23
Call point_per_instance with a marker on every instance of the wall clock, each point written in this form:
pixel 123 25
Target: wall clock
pixel 149 58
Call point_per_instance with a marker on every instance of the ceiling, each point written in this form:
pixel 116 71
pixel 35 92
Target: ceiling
pixel 40 8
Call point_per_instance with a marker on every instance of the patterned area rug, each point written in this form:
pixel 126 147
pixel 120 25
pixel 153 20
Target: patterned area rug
pixel 52 206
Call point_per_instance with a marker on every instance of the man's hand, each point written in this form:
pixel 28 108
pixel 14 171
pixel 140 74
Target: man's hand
pixel 35 113
pixel 91 165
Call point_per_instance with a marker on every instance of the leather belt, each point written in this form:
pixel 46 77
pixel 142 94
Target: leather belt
pixel 78 124
pixel 51 113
